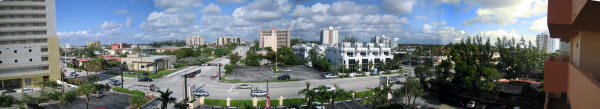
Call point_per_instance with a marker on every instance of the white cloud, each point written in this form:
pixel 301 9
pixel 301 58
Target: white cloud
pixel 502 13
pixel 176 21
pixel 539 25
pixel 231 1
pixel 129 22
pixel 211 9
pixel 422 17
pixel 398 7
pixel 177 3
pixel 349 7
pixel 73 33
pixel 263 10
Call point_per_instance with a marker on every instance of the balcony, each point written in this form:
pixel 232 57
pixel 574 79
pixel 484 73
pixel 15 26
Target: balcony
pixel 556 72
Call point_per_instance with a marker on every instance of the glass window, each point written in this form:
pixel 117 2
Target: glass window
pixel 27 81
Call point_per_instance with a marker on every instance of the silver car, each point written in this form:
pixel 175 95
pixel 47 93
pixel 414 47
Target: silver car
pixel 257 93
pixel 200 92
pixel 244 86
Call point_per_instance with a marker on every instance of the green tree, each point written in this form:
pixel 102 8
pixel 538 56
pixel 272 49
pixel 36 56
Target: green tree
pixel 410 91
pixel 87 89
pixel 309 94
pixel 473 65
pixel 234 58
pixel 165 98
pixel 66 98
pixel 518 58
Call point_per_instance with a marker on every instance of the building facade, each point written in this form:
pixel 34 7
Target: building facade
pixel 388 41
pixel 151 63
pixel 358 55
pixel 329 36
pixel 118 46
pixel 274 38
pixel 303 50
pixel 228 40
pixel 572 80
pixel 547 44
pixel 30 49
pixel 93 44
pixel 194 41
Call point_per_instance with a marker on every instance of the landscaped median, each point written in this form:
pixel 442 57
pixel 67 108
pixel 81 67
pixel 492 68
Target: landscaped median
pixel 150 75
pixel 274 101
pixel 138 99
pixel 240 81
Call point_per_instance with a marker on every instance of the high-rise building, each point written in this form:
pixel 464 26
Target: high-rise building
pixel 572 80
pixel 547 44
pixel 194 41
pixel 388 41
pixel 329 36
pixel 93 44
pixel 30 50
pixel 274 38
pixel 227 40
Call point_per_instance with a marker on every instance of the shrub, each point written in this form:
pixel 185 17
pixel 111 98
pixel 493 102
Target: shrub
pixel 6 100
pixel 132 92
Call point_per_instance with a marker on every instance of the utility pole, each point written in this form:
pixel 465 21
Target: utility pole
pixel 122 81
pixel 219 74
pixel 189 75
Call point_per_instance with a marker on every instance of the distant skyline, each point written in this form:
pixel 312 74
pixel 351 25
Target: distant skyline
pixel 413 21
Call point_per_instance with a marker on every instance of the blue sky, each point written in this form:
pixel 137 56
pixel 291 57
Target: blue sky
pixel 413 21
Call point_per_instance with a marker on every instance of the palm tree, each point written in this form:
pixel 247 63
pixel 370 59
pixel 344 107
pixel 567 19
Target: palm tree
pixel 87 89
pixel 308 94
pixel 165 98
pixel 338 94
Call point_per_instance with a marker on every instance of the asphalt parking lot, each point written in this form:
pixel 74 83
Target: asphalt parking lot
pixel 262 73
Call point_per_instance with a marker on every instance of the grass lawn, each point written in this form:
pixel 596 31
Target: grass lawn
pixel 150 75
pixel 239 81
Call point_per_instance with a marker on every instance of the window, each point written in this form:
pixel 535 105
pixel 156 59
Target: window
pixel 44 49
pixel 15 51
pixel 27 81
pixel 16 61
pixel 0 62
pixel 45 58
pixel 30 59
pixel 30 50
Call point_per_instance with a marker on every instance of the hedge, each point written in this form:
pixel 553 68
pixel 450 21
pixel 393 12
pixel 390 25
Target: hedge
pixel 132 92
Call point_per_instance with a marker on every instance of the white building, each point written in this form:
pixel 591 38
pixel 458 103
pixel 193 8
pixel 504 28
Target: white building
pixel 547 44
pixel 303 50
pixel 358 54
pixel 329 36
pixel 30 49
pixel 194 41
pixel 388 41
pixel 227 40
pixel 151 63
pixel 274 38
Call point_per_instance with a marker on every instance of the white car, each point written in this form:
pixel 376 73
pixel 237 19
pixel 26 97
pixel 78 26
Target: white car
pixel 200 92
pixel 328 76
pixel 26 90
pixel 330 88
pixel 257 93
pixel 244 86
pixel 470 104
pixel 317 105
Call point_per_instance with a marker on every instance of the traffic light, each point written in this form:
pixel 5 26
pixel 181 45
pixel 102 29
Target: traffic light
pixel 192 74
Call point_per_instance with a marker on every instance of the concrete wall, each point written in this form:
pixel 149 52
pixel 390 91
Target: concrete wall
pixel 590 53
pixel 583 91
pixel 54 58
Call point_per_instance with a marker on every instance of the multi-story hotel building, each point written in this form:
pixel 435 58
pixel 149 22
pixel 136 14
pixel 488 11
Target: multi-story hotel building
pixel 194 41
pixel 547 44
pixel 388 41
pixel 274 38
pixel 329 36
pixel 93 44
pixel 227 40
pixel 359 54
pixel 572 80
pixel 29 52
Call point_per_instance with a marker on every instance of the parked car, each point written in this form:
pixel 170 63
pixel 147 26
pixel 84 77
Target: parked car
pixel 8 91
pixel 328 75
pixel 145 79
pixel 470 104
pixel 394 80
pixel 284 77
pixel 244 86
pixel 74 74
pixel 98 94
pixel 294 106
pixel 199 93
pixel 330 88
pixel 26 90
pixel 317 105
pixel 286 70
pixel 116 82
pixel 256 93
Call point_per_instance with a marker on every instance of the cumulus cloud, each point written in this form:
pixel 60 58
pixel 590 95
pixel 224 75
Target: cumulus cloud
pixel 176 20
pixel 72 33
pixel 231 1
pixel 502 13
pixel 398 7
pixel 211 9
pixel 129 22
pixel 263 10
pixel 539 25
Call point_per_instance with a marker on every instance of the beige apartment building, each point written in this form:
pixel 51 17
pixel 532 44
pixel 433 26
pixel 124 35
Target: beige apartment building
pixel 572 80
pixel 274 38
pixel 93 44
pixel 29 52
pixel 194 41
pixel 227 40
